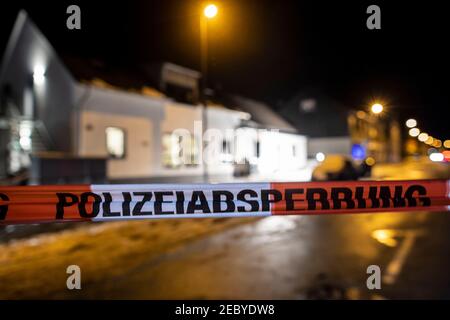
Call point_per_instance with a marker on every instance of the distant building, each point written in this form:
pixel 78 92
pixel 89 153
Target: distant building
pixel 378 135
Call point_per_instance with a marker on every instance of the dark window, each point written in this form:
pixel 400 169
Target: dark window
pixel 180 94
pixel 258 147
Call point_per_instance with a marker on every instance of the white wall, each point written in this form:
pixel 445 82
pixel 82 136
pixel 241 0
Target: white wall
pixel 138 115
pixel 276 152
pixel 181 116
pixel 138 146
pixel 225 122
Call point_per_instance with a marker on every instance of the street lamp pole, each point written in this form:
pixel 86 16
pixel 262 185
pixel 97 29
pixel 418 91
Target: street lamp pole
pixel 203 56
pixel 209 12
pixel 376 127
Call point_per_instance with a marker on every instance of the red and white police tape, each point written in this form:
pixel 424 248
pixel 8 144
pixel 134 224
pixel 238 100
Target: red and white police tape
pixel 39 204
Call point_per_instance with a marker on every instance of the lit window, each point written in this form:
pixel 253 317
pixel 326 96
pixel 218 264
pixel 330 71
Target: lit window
pixel 115 142
pixel 179 150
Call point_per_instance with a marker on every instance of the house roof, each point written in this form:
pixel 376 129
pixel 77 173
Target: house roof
pixel 117 76
pixel 315 114
pixel 261 113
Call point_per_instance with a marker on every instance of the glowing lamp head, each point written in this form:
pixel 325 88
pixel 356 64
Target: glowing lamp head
pixel 423 137
pixel 414 132
pixel 411 123
pixel 447 144
pixel 430 140
pixel 377 108
pixel 210 11
pixel 437 143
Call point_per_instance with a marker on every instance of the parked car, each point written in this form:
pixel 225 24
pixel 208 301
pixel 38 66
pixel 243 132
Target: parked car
pixel 337 167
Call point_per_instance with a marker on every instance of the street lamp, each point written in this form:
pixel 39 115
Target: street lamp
pixel 376 108
pixel 411 123
pixel 423 137
pixel 437 143
pixel 430 140
pixel 414 132
pixel 447 144
pixel 209 12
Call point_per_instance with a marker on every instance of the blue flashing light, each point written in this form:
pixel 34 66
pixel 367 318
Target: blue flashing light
pixel 358 152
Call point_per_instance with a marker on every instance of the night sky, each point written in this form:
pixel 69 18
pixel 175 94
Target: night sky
pixel 271 50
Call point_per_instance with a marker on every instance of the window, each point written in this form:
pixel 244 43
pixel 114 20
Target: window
pixel 171 155
pixel 180 94
pixel 227 152
pixel 180 150
pixel 115 142
pixel 258 149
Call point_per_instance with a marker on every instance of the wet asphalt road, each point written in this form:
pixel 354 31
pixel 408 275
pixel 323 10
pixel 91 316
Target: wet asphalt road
pixel 298 258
